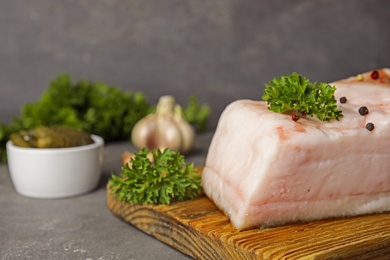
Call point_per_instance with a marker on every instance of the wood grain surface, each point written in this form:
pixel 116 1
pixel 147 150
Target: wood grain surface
pixel 199 229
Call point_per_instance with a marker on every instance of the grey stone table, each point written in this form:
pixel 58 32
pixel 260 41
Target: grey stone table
pixel 79 227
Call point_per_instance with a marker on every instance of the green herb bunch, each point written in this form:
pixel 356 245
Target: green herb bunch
pixel 5 132
pixel 95 108
pixel 92 107
pixel 197 114
pixel 295 92
pixel 158 181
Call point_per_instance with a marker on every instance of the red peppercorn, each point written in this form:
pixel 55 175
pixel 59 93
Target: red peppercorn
pixel 374 74
pixel 295 117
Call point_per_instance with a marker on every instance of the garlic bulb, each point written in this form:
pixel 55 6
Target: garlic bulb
pixel 166 128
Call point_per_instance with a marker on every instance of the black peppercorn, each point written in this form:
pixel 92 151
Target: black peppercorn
pixel 343 100
pixel 370 126
pixel 363 111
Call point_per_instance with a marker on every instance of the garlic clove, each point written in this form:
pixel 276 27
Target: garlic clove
pixel 186 129
pixel 143 132
pixel 167 134
pixel 188 137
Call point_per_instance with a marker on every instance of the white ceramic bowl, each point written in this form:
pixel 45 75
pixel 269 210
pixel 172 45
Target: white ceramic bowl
pixel 56 172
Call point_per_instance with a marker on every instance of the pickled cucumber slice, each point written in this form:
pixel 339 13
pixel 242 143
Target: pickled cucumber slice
pixel 18 140
pixel 51 137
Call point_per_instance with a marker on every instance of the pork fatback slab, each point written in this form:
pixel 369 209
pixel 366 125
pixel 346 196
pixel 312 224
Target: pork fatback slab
pixel 264 169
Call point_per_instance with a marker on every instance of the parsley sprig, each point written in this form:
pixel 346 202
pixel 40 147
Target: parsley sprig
pixel 295 92
pixel 167 177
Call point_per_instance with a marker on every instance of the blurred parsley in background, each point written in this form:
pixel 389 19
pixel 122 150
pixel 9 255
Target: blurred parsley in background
pixel 95 108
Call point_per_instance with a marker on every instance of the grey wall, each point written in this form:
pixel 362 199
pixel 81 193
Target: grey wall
pixel 220 50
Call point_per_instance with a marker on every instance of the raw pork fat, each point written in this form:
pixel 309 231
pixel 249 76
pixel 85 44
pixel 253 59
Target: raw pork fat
pixel 264 169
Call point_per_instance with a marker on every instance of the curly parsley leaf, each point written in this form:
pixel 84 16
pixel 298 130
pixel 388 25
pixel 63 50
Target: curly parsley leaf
pixel 295 92
pixel 197 114
pixel 159 181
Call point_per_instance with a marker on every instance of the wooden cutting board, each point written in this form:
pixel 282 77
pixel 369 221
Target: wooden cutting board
pixel 199 229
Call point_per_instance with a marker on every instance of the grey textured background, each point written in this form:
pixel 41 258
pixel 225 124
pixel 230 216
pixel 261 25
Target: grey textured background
pixel 220 50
